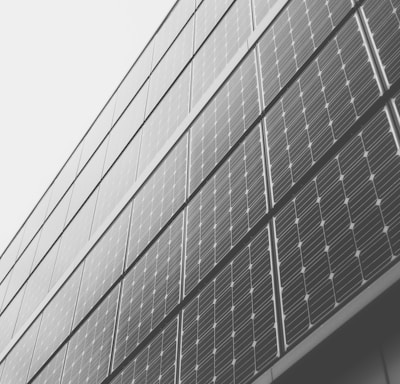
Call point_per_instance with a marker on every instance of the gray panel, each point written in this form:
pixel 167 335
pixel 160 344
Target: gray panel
pixel 51 374
pixel 10 255
pixel 391 355
pixel 262 8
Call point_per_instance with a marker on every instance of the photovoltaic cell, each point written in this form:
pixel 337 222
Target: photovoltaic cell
pixel 56 322
pixel 150 290
pixel 341 230
pixel 51 374
pixel 225 209
pixel 117 182
pixel 133 81
pixel 17 361
pixel 8 319
pixel 207 16
pixel 158 200
pixel 126 127
pixel 293 37
pixel 103 265
pixel 170 66
pixel 229 332
pixel 383 18
pixel 262 8
pixel 37 288
pixel 172 26
pixel 89 350
pixel 229 35
pixel 74 238
pixel 165 119
pixel 155 363
pixel 223 122
pixel 337 88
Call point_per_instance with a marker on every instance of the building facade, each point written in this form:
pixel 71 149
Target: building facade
pixel 231 216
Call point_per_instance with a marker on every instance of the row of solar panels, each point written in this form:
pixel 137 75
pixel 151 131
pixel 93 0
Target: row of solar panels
pixel 315 274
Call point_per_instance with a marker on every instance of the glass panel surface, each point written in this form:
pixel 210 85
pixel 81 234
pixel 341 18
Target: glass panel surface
pixel 150 291
pixel 3 290
pixel 229 329
pixel 165 119
pixel 262 8
pixel 17 363
pixel 103 265
pixel 51 374
pixel 225 209
pixel 229 114
pixel 133 81
pixel 56 322
pixel 89 350
pixel 10 255
pixel 220 47
pixel 170 66
pixel 341 231
pixel 161 196
pixel 156 362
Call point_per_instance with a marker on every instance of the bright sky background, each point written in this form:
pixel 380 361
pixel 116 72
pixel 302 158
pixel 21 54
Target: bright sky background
pixel 60 61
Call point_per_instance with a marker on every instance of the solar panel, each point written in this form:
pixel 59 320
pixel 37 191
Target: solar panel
pixel 229 35
pixel 229 332
pixel 225 209
pixel 8 318
pixel 293 37
pixel 103 265
pixel 156 362
pixel 150 290
pixel 229 114
pixel 262 8
pixel 9 256
pixel 383 18
pixel 126 127
pixel 133 81
pixel 341 230
pixel 56 322
pixel 3 289
pixel 180 13
pixel 51 374
pixel 16 365
pixel 74 238
pixel 158 200
pixel 337 88
pixel 177 56
pixel 117 182
pixel 207 16
pixel 89 350
pixel 37 288
pixel 165 119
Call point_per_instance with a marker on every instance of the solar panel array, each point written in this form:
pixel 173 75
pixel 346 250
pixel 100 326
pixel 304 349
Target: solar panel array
pixel 220 233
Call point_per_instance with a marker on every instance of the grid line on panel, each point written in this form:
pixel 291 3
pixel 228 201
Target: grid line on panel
pixel 51 374
pixel 327 255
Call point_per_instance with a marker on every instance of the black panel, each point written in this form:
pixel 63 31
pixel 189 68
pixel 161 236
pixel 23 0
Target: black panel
pixel 17 362
pixel 155 363
pixel 117 182
pixel 56 322
pixel 89 350
pixel 170 66
pixel 384 21
pixel 74 238
pixel 262 8
pixel 157 201
pixel 229 330
pixel 150 290
pixel 165 119
pixel 341 230
pixel 179 15
pixel 225 209
pixel 103 265
pixel 207 16
pixel 224 120
pixel 220 47
pixel 51 374
pixel 293 37
pixel 319 108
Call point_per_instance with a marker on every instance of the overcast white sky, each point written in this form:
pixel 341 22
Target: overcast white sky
pixel 60 61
